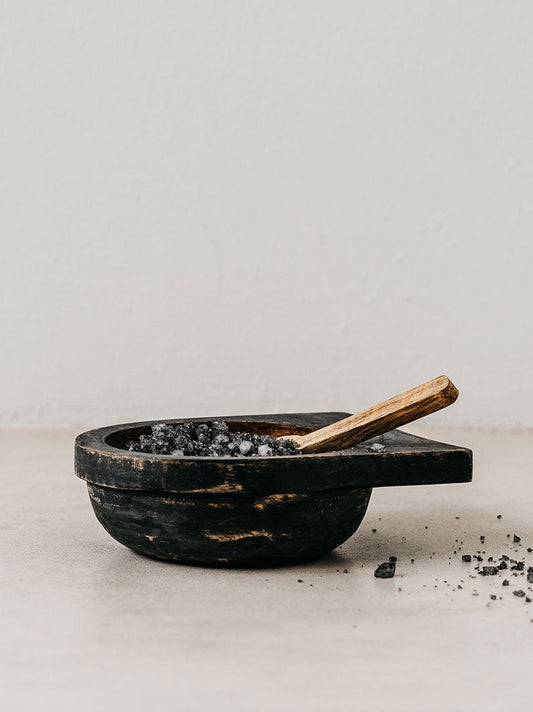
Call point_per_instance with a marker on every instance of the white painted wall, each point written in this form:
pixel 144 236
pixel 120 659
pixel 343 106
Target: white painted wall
pixel 244 206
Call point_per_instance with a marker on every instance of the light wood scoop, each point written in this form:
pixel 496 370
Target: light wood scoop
pixel 399 410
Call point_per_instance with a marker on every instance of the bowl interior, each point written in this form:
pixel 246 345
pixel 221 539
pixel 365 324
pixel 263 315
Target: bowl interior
pixel 121 438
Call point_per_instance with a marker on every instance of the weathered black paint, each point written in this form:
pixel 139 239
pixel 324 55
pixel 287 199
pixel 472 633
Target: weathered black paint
pixel 236 530
pixel 250 511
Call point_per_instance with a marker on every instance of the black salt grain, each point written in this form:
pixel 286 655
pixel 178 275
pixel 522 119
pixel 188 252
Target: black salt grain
pixel 489 571
pixel 385 570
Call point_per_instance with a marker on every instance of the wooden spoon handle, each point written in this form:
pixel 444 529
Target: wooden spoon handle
pixel 399 410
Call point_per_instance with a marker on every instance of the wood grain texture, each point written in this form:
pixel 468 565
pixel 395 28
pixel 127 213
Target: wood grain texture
pixel 249 511
pixel 401 409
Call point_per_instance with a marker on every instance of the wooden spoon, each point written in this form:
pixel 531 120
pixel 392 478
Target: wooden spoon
pixel 399 410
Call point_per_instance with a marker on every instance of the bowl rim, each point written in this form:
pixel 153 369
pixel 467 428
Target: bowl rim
pixel 407 459
pixel 98 437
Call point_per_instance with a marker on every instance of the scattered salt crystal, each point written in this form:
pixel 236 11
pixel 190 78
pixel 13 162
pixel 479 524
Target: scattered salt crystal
pixel 376 447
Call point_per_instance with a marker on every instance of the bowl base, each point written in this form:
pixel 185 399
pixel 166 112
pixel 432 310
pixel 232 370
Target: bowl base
pixel 230 531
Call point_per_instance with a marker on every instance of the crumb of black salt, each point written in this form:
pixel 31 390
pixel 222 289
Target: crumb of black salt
pixel 530 574
pixel 502 565
pixel 489 571
pixel 300 580
pixel 345 571
pixel 412 561
pixel 519 593
pixel 376 447
pixel 482 539
pixel 374 531
pixel 467 558
pixel 385 570
pixel 459 586
pixel 528 599
pixel 393 559
pixel 479 558
pixel 519 566
pixel 505 582
pixel 499 516
pixel 516 539
pixel 493 596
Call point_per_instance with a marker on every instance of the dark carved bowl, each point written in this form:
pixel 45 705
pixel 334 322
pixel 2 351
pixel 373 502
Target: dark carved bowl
pixel 225 511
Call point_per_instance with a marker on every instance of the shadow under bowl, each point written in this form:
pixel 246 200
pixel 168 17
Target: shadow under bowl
pixel 253 511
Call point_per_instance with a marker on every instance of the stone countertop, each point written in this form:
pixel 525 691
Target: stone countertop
pixel 87 624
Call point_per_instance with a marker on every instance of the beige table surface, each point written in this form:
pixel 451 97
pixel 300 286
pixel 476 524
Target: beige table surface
pixel 85 624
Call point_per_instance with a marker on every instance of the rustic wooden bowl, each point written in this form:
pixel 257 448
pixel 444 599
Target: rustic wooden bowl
pixel 226 511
